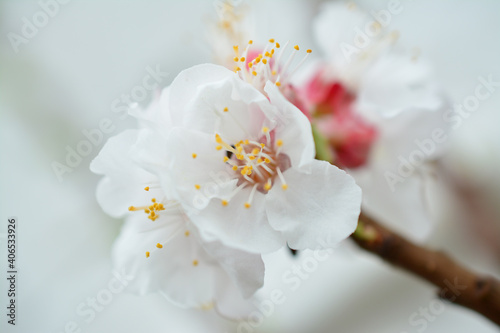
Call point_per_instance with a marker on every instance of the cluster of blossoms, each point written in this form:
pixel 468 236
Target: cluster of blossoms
pixel 222 168
pixel 218 174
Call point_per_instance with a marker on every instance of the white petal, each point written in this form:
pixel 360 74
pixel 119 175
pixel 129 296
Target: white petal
pixel 245 270
pixel 337 24
pixel 403 210
pixel 171 269
pixel 234 225
pixel 124 183
pixel 293 128
pixel 318 210
pixel 156 116
pixel 394 84
pixel 185 87
pixel 244 118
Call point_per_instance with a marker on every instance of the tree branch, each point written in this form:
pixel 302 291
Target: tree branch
pixel 456 283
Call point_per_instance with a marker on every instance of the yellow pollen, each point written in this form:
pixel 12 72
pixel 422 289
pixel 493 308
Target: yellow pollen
pixel 242 59
pixel 237 69
pixel 267 54
pixel 247 205
pixel 235 58
pixel 218 138
pixel 235 48
pixel 273 72
pixel 309 51
pixel 267 160
pixel 262 145
pixel 272 52
pixel 250 64
pixel 250 41
pixel 218 147
pixel 194 155
pixel 195 263
pixel 131 208
pixel 147 254
pixel 277 45
pixel 197 186
pixel 279 143
pixel 284 186
pixel 278 83
pixel 296 47
pixel 235 167
pixel 265 129
pixel 146 188
pixel 246 142
pixel 159 245
pixel 153 200
pixel 264 61
pixel 186 233
pixel 224 202
pixel 267 187
pixel 259 160
pixel 251 157
pixel 254 73
pixel 147 211
pixel 226 109
pixel 271 40
pixel 255 151
pixel 226 158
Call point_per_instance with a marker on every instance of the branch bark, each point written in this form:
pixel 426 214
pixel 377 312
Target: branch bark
pixel 456 283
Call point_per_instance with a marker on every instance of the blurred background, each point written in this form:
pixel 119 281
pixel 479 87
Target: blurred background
pixel 59 81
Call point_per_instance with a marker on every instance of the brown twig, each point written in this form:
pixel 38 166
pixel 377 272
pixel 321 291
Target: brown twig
pixel 456 283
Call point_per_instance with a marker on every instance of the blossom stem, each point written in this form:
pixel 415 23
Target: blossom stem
pixel 456 283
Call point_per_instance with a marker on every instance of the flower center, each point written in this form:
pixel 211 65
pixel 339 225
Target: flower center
pixel 256 164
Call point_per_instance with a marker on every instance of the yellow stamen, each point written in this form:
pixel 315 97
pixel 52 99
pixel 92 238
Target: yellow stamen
pixel 195 263
pixel 224 202
pixel 296 47
pixel 159 245
pixel 146 188
pixel 247 205
pixel 278 83
pixel 147 254
pixel 186 233
pixel 279 143
pixel 197 186
pixel 194 155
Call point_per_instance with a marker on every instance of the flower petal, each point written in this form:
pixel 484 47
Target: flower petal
pixel 185 87
pixel 293 128
pixel 124 183
pixel 319 209
pixel 394 84
pixel 239 227
pixel 182 270
pixel 232 107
